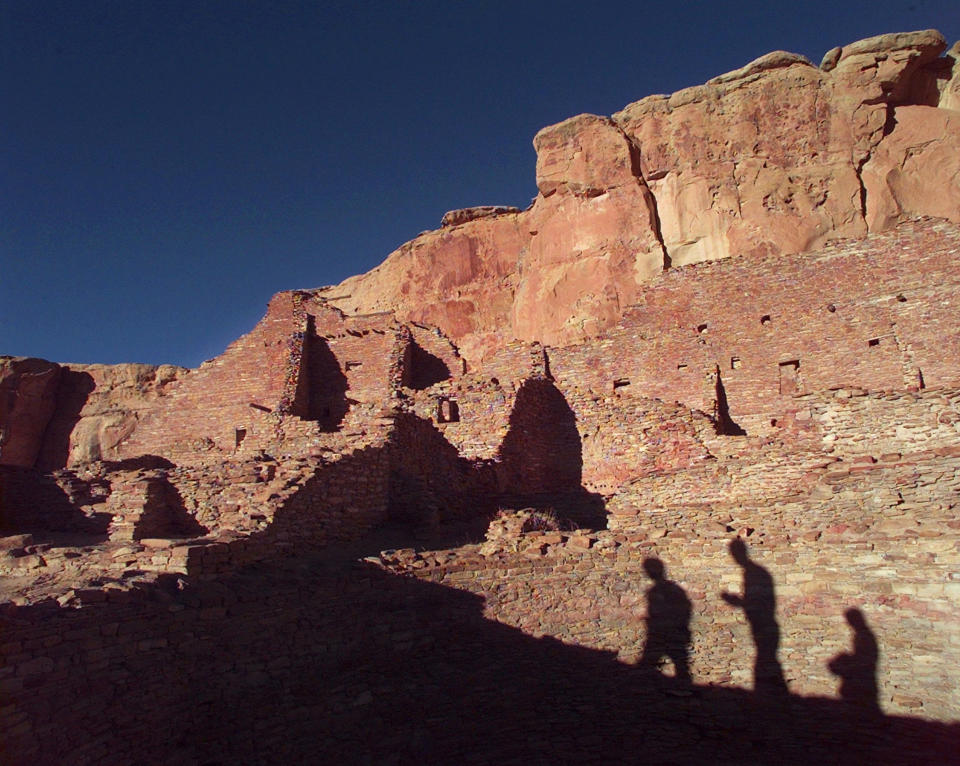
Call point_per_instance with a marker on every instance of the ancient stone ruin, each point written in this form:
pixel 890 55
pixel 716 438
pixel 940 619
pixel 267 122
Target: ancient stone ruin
pixel 666 464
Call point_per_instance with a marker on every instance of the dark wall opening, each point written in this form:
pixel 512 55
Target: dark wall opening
pixel 541 452
pixel 322 386
pixel 421 369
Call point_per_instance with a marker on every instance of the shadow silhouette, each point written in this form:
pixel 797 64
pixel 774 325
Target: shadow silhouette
pixel 430 481
pixel 668 622
pixel 72 394
pixel 858 669
pixel 33 503
pixel 540 461
pixel 165 514
pixel 139 463
pixel 759 604
pixel 721 410
pixel 322 386
pixel 313 660
pixel 421 369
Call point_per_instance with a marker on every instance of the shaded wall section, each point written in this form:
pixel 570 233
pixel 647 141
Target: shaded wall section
pixel 541 452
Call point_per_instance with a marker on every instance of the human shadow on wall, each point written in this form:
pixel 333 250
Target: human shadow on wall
pixel 668 623
pixel 293 662
pixel 321 393
pixel 759 603
pixel 857 670
pixel 541 456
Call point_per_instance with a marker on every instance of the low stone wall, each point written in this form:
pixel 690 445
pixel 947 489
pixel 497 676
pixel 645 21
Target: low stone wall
pixel 898 567
pixel 855 422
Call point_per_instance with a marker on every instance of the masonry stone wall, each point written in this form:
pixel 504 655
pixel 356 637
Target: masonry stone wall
pixel 875 314
pixel 851 422
pixel 266 631
pixel 897 564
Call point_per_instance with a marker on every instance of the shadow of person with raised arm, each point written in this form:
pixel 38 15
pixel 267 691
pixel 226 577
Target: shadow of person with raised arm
pixel 858 669
pixel 668 623
pixel 759 603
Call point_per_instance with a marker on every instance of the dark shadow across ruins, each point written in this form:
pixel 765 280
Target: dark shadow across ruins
pixel 540 461
pixel 321 393
pixel 311 661
pixel 33 503
pixel 758 601
pixel 421 369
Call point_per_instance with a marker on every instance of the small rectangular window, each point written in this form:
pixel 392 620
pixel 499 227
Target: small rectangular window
pixel 790 377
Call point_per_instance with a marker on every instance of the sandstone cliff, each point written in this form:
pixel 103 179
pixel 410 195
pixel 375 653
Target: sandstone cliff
pixel 779 156
pixel 53 415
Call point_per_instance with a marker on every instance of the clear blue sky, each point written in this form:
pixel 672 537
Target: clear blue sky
pixel 167 166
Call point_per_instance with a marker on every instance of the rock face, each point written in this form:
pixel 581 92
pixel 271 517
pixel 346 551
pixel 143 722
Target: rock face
pixel 779 156
pixel 28 397
pixel 98 406
pixel 54 415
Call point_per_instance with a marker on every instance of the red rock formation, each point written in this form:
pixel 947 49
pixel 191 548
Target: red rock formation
pixel 54 415
pixel 776 157
pixel 28 396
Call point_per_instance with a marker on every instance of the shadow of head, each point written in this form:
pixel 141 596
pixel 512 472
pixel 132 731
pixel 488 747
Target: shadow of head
pixel 654 568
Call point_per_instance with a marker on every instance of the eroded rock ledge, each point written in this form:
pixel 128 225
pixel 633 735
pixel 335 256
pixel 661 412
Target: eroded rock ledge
pixel 779 156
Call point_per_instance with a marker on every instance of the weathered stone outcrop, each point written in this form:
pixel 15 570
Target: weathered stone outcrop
pixel 55 415
pixel 98 406
pixel 779 156
pixel 28 397
pixel 467 214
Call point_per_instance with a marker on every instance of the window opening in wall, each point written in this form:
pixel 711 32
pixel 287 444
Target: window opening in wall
pixel 620 383
pixel 239 435
pixel 702 328
pixel 920 384
pixel 773 422
pixel 681 366
pixel 873 342
pixel 735 363
pixel 353 365
pixel 790 377
pixel 765 319
pixel 448 411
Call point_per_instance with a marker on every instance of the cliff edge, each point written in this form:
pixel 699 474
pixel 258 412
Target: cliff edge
pixel 780 156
